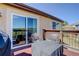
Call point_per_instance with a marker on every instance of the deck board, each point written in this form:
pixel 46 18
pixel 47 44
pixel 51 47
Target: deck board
pixel 70 53
pixel 29 51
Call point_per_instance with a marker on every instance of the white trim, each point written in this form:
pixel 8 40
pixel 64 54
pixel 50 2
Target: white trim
pixel 12 30
pixel 18 14
pixel 21 46
pixel 38 26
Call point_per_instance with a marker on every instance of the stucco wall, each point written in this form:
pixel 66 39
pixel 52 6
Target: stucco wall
pixel 6 24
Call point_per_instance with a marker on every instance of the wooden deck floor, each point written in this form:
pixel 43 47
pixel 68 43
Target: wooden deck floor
pixel 29 51
pixel 70 52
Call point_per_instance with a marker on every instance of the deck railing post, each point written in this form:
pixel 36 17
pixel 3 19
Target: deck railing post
pixel 44 31
pixel 61 36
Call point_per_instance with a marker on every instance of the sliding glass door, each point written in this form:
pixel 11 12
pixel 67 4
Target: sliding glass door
pixel 32 28
pixel 23 28
pixel 19 30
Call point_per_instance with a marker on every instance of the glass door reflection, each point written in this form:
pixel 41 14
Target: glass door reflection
pixel 19 30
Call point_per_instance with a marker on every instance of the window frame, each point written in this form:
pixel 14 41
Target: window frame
pixel 57 25
pixel 24 28
pixel 18 14
pixel 54 24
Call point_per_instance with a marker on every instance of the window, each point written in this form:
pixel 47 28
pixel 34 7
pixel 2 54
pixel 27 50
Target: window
pixel 32 28
pixel 23 29
pixel 58 26
pixel 19 30
pixel 54 25
pixel 77 26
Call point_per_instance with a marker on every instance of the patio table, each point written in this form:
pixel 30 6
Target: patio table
pixel 47 48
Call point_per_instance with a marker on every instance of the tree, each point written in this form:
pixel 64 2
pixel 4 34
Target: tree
pixel 65 23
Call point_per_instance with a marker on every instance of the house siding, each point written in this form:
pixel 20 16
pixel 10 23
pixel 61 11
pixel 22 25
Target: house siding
pixel 7 11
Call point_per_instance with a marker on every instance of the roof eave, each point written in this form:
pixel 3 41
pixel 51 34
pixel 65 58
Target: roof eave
pixel 33 10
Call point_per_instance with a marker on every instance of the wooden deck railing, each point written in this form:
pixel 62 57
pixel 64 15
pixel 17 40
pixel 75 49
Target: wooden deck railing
pixel 69 38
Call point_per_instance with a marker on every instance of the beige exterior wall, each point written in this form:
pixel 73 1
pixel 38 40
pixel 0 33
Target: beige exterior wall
pixel 6 21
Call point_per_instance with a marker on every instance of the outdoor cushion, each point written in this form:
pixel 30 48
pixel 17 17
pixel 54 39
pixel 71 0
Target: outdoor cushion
pixel 2 43
pixel 5 45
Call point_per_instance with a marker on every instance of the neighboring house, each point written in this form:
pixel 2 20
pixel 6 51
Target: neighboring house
pixel 68 27
pixel 19 21
pixel 76 24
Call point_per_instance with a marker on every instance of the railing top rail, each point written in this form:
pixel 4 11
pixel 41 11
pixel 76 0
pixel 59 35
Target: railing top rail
pixel 60 32
pixel 72 31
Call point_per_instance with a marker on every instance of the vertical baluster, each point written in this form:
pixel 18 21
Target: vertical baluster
pixel 72 40
pixel 66 38
pixel 78 40
pixel 69 40
pixel 63 38
pixel 61 33
pixel 75 42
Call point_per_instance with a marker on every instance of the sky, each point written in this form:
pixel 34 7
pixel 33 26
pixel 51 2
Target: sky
pixel 21 21
pixel 64 11
pixel 18 20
